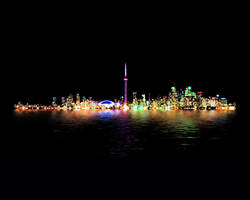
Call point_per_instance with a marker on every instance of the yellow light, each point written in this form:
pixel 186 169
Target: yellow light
pixel 125 107
pixel 232 108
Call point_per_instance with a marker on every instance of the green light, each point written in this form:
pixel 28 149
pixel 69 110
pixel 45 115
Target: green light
pixel 134 108
pixel 141 107
pixel 189 87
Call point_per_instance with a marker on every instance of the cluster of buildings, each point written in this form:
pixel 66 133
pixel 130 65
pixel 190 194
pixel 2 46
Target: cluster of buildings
pixel 72 103
pixel 182 100
pixel 176 100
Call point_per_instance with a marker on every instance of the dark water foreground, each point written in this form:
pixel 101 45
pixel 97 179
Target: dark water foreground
pixel 123 135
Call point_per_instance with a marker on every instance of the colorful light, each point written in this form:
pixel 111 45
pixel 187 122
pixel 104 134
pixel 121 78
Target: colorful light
pixel 177 99
pixel 232 108
pixel 125 108
pixel 107 103
pixel 125 85
pixel 134 108
pixel 141 107
pixel 167 107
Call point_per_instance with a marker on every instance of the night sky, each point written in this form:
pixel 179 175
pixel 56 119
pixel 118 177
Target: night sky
pixel 54 55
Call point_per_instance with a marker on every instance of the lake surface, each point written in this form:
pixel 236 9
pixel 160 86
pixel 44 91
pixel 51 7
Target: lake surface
pixel 122 135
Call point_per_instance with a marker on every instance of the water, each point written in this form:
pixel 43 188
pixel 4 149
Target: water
pixel 121 135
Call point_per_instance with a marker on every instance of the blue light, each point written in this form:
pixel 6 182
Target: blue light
pixel 223 98
pixel 217 95
pixel 106 103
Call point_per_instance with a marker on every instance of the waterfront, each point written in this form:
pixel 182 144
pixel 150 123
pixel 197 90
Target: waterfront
pixel 121 135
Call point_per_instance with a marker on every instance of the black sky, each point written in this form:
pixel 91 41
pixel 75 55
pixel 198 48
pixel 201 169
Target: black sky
pixel 54 55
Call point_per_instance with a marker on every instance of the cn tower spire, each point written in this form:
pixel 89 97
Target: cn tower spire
pixel 125 85
pixel 125 69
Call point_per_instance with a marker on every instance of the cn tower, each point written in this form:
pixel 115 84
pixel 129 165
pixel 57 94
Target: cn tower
pixel 125 85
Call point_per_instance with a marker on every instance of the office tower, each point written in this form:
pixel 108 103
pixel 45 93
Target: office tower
pixel 54 102
pixel 144 99
pixel 78 99
pixel 69 101
pixel 134 98
pixel 63 101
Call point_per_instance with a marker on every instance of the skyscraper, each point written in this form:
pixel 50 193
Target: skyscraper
pixel 69 102
pixel 63 101
pixel 54 102
pixel 78 99
pixel 125 85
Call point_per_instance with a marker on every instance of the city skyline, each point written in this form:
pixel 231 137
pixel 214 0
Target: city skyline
pixel 107 83
pixel 46 60
pixel 129 88
pixel 180 99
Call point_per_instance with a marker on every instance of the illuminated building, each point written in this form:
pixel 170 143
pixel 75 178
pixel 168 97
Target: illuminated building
pixel 78 102
pixel 223 100
pixel 134 102
pixel 54 102
pixel 213 102
pixel 173 99
pixel 69 102
pixel 176 100
pixel 78 99
pixel 63 101
pixel 107 104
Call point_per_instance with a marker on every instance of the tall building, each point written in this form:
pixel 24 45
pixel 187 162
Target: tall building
pixel 135 98
pixel 78 99
pixel 63 101
pixel 173 98
pixel 69 101
pixel 125 85
pixel 54 102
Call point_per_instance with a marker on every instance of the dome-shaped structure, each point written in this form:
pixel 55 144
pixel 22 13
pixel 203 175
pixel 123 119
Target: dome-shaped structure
pixel 107 103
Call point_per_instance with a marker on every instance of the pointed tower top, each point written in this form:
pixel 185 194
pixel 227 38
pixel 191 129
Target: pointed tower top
pixel 125 69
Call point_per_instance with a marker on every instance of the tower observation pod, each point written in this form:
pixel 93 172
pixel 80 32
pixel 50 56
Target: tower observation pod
pixel 125 85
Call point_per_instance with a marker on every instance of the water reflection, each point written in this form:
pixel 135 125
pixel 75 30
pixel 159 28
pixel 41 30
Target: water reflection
pixel 124 133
